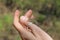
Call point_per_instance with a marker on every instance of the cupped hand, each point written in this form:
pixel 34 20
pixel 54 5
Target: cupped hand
pixel 27 29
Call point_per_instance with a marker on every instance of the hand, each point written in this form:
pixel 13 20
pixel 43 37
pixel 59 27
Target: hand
pixel 28 30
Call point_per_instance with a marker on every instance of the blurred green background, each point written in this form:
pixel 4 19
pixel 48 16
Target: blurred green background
pixel 46 12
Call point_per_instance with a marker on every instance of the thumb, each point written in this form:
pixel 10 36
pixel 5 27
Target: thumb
pixel 24 19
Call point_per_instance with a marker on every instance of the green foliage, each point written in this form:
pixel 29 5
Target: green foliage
pixel 1 24
pixel 58 7
pixel 5 20
pixel 57 26
pixel 58 2
pixel 41 18
pixel 34 4
pixel 18 38
pixel 8 18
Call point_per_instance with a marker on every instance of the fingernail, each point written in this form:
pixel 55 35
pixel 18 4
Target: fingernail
pixel 23 19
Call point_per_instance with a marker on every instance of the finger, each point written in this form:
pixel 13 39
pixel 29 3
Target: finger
pixel 32 26
pixel 29 14
pixel 32 17
pixel 23 19
pixel 16 16
pixel 17 25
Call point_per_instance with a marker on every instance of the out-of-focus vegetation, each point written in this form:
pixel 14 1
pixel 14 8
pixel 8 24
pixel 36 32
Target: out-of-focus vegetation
pixel 46 12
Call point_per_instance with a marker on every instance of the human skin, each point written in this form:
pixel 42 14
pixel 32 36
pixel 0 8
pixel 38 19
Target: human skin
pixel 27 29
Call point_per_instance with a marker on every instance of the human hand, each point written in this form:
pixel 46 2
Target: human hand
pixel 28 30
